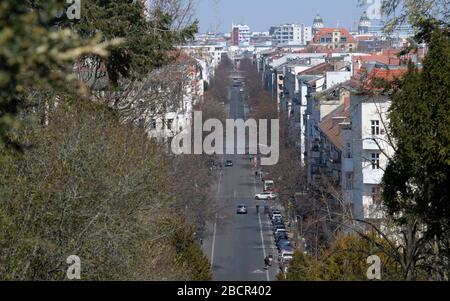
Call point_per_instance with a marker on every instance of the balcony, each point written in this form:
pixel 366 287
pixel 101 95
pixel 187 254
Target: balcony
pixel 372 176
pixel 347 165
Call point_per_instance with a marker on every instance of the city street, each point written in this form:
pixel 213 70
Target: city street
pixel 237 244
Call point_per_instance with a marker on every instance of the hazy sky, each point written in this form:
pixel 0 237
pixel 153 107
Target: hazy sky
pixel 261 14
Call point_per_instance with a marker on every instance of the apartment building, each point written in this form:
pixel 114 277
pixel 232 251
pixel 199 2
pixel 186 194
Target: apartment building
pixel 291 34
pixel 240 35
pixel 338 39
pixel 163 121
pixel 326 110
pixel 367 148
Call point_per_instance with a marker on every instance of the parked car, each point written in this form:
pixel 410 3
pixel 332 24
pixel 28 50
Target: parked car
pixel 279 230
pixel 281 236
pixel 283 244
pixel 286 255
pixel 228 163
pixel 276 217
pixel 241 209
pixel 266 196
pixel 273 211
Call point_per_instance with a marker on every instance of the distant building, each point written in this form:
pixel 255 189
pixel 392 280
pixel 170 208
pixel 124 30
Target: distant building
pixel 317 24
pixel 240 35
pixel 364 24
pixel 335 39
pixel 291 34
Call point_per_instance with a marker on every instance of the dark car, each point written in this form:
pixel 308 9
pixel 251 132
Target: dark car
pixel 241 209
pixel 277 219
pixel 274 211
pixel 283 244
pixel 228 163
pixel 279 224
pixel 281 236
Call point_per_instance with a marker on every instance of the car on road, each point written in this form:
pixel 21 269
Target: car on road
pixel 242 90
pixel 241 209
pixel 228 163
pixel 265 196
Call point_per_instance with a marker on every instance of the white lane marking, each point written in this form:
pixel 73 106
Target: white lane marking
pixel 261 232
pixel 262 241
pixel 215 225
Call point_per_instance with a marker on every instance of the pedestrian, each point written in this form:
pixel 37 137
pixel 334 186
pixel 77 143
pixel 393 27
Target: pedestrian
pixel 257 208
pixel 266 262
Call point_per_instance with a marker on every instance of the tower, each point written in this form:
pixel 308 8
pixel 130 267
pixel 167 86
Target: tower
pixel 364 24
pixel 317 23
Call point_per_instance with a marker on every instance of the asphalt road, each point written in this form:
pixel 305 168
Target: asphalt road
pixel 237 244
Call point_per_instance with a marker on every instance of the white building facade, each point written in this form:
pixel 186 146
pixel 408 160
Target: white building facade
pixel 365 156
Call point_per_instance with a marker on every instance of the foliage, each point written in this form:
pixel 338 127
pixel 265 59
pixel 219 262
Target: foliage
pixel 190 254
pixel 34 55
pixel 94 188
pixel 345 260
pixel 416 179
pixel 148 35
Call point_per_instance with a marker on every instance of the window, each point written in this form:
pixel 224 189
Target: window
pixel 376 195
pixel 153 124
pixel 375 125
pixel 376 161
pixel 343 39
pixel 169 124
pixel 348 151
pixel 349 181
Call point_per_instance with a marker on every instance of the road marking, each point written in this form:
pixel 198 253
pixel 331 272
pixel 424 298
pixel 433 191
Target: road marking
pixel 261 232
pixel 215 225
pixel 262 241
pixel 258 272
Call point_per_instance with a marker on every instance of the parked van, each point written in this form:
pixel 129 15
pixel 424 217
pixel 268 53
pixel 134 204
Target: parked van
pixel 269 185
pixel 286 255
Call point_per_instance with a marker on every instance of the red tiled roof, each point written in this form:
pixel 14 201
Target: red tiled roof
pixel 328 32
pixel 365 80
pixel 330 125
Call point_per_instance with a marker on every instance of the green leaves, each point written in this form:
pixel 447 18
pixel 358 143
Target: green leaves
pixel 35 55
pixel 416 179
pixel 148 39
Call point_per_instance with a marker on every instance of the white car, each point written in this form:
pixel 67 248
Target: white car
pixel 266 196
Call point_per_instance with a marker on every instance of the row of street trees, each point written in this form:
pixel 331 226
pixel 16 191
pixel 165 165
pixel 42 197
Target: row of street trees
pixel 78 174
pixel 413 239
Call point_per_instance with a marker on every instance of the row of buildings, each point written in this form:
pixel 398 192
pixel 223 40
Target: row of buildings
pixel 302 35
pixel 337 116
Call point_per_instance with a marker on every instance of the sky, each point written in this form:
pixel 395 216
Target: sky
pixel 261 14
